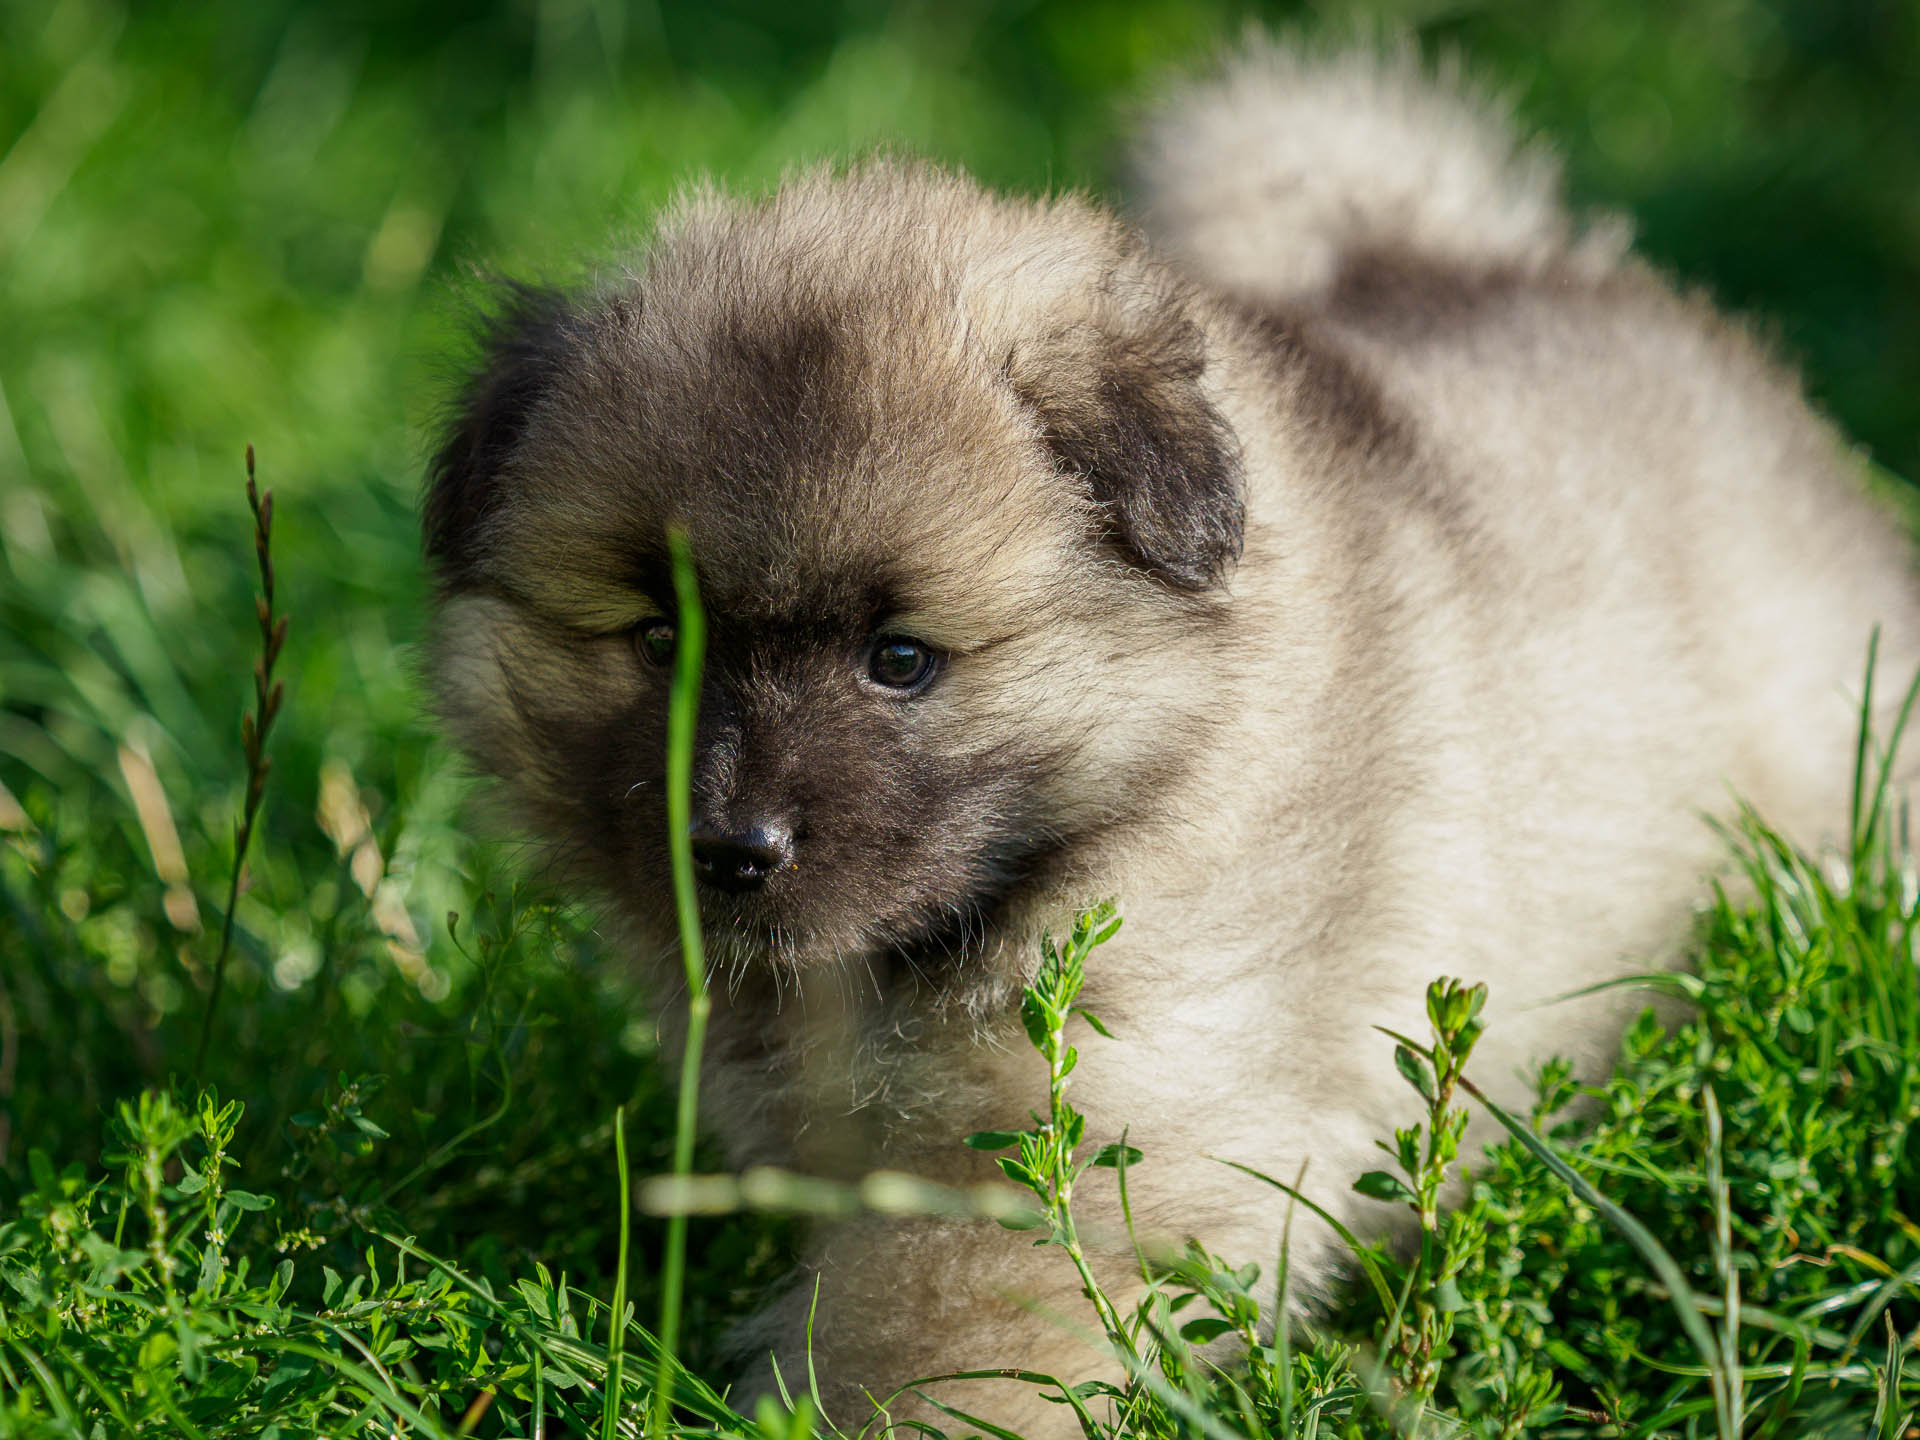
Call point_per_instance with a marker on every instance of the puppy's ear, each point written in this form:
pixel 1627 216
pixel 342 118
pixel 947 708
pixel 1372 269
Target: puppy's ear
pixel 1119 399
pixel 519 349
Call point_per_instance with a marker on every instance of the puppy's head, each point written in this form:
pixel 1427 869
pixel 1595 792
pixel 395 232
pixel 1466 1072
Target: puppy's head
pixel 962 515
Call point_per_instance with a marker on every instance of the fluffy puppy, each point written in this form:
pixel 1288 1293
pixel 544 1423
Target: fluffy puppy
pixel 1365 574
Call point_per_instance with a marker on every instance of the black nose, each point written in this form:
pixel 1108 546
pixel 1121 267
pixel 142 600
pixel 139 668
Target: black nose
pixel 739 860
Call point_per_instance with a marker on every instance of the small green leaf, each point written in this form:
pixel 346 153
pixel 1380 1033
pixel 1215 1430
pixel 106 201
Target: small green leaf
pixel 992 1140
pixel 368 1127
pixel 212 1263
pixel 1033 1015
pixel 1093 1020
pixel 191 1183
pixel 1019 1173
pixel 246 1200
pixel 1199 1332
pixel 1021 1220
pixel 1417 1072
pixel 1379 1185
pixel 1110 1156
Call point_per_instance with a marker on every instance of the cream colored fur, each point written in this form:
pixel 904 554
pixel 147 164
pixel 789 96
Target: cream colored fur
pixel 1344 151
pixel 1572 565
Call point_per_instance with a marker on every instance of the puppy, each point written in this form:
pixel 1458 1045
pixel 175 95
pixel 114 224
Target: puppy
pixel 1360 573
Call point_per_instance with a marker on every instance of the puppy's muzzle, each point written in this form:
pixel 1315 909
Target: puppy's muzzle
pixel 735 861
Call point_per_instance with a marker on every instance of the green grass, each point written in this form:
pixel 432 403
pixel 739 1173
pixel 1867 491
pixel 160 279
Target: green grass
pixel 1717 1243
pixel 250 223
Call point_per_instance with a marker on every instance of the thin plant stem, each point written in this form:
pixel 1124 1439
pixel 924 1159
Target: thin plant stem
pixel 690 653
pixel 1063 1178
pixel 253 741
pixel 617 1325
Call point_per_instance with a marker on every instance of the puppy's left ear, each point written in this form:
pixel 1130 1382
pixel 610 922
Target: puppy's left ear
pixel 1119 398
pixel 520 346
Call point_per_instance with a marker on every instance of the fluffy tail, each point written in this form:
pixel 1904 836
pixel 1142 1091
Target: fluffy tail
pixel 1266 176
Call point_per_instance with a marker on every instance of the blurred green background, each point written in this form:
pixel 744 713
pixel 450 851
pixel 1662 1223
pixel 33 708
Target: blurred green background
pixel 251 221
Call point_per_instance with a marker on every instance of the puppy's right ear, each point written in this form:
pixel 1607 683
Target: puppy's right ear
pixel 520 345
pixel 1119 396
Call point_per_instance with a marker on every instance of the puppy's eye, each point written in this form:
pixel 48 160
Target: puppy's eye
pixel 900 664
pixel 654 641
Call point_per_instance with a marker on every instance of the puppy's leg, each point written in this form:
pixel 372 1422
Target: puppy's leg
pixel 900 1301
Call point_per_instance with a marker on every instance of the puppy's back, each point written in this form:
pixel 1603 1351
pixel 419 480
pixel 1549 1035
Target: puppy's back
pixel 1645 474
pixel 1631 573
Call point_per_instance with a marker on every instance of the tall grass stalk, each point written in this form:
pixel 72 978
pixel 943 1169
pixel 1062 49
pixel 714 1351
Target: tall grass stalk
pixel 253 741
pixel 690 653
pixel 617 1325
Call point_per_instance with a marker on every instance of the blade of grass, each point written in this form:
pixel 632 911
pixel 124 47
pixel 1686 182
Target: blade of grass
pixel 378 1388
pixel 1282 1322
pixel 690 653
pixel 985 1427
pixel 617 1322
pixel 813 1377
pixel 1035 1378
pixel 1369 1265
pixel 1887 1293
pixel 1783 1405
pixel 49 1386
pixel 1720 1194
pixel 1863 743
pixel 1887 1421
pixel 1863 839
